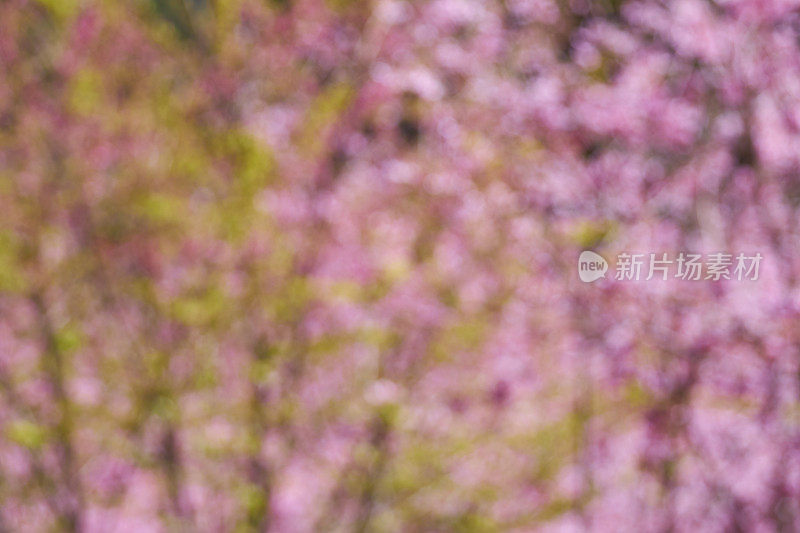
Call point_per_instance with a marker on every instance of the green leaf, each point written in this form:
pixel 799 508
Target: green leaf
pixel 322 114
pixel 253 161
pixel 26 433
pixel 588 233
pixel 12 278
pixel 61 9
pixel 85 91
pixel 68 339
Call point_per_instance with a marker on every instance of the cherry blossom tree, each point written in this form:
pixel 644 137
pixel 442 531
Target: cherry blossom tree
pixel 311 265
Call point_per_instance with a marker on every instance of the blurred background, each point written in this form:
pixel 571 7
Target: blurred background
pixel 311 265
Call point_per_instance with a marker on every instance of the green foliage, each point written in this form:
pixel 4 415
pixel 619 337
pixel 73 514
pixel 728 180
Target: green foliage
pixel 200 309
pixel 321 115
pixel 12 276
pixel 475 522
pixel 26 433
pixel 159 210
pixel 254 165
pixel 555 508
pixel 61 9
pixel 254 503
pixel 291 299
pixel 462 336
pixel 346 5
pixel 179 15
pixel 86 91
pixel 68 339
pixel 588 234
pixel 636 395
